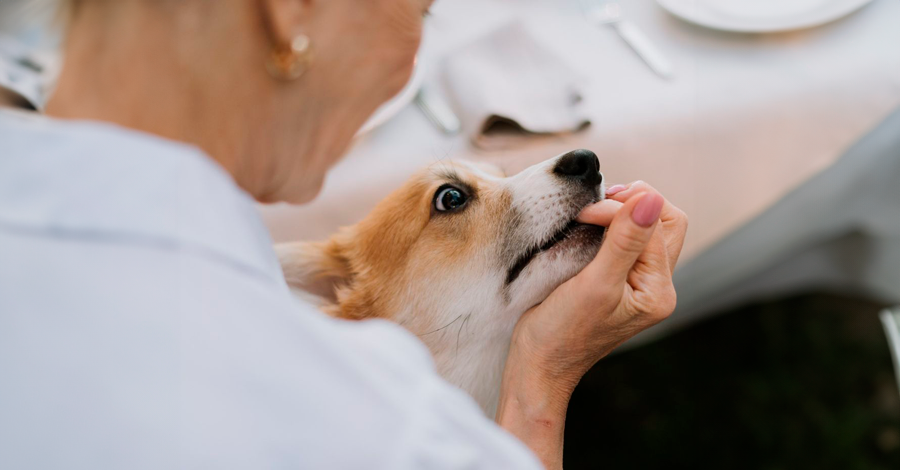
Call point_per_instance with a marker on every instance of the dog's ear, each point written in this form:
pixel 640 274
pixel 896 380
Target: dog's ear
pixel 318 268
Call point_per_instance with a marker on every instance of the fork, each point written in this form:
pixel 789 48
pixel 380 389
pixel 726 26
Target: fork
pixel 610 13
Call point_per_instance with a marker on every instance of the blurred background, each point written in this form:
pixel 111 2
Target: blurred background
pixel 773 123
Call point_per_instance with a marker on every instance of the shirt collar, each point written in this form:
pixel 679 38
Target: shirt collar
pixel 100 179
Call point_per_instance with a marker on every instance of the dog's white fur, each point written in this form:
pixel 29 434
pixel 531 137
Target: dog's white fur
pixel 444 276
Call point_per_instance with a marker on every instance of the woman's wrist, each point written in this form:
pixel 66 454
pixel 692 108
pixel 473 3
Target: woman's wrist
pixel 541 429
pixel 530 382
pixel 533 406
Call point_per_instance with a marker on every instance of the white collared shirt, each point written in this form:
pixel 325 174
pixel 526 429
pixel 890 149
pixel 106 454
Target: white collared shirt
pixel 145 323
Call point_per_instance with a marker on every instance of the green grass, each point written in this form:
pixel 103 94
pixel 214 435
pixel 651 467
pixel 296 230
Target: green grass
pixel 801 383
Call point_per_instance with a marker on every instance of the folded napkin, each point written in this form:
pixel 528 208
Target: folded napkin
pixel 508 89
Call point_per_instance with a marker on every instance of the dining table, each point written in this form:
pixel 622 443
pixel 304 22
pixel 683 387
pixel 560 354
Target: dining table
pixel 783 148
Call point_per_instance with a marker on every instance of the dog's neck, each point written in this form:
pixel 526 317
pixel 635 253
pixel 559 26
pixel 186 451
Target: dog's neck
pixel 466 325
pixel 471 355
pixel 468 337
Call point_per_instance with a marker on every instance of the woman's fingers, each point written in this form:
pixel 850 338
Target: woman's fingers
pixel 630 232
pixel 673 219
pixel 600 213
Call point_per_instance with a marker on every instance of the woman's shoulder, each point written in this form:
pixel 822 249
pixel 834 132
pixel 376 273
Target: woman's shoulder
pixel 90 181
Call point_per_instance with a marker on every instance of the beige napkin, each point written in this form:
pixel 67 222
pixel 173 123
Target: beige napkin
pixel 508 89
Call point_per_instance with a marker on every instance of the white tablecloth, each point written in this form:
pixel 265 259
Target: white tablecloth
pixel 839 231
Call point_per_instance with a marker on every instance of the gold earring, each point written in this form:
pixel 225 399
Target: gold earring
pixel 291 61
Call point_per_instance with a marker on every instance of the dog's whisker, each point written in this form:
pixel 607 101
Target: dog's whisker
pixel 441 328
pixel 461 325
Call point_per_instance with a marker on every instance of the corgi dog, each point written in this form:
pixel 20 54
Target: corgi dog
pixel 456 256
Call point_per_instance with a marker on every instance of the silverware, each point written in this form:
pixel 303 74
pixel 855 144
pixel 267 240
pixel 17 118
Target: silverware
pixel 610 13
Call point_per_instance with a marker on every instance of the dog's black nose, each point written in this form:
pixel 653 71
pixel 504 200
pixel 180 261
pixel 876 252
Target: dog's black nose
pixel 579 165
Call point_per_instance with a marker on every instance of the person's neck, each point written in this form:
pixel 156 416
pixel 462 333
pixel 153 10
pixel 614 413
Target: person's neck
pixel 112 76
pixel 138 74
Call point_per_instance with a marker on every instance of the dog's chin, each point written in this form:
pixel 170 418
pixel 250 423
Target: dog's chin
pixel 571 254
pixel 579 238
pixel 557 264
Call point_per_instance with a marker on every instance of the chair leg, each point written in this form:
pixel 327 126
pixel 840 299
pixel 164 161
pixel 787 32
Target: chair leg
pixel 890 318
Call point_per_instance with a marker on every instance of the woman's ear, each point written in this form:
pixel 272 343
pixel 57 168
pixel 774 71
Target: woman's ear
pixel 318 268
pixel 285 18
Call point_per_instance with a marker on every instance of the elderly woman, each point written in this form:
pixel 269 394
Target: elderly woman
pixel 144 320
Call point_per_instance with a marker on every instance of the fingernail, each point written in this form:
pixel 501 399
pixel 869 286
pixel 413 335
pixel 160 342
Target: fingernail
pixel 647 210
pixel 612 190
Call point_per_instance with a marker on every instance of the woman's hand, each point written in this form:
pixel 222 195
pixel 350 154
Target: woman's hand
pixel 624 290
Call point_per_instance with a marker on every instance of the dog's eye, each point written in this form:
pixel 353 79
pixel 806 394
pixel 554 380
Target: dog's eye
pixel 449 199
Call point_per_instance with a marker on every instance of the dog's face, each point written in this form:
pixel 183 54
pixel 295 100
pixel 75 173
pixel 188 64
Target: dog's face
pixel 456 256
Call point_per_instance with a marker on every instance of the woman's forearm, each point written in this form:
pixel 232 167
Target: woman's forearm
pixel 541 431
pixel 534 410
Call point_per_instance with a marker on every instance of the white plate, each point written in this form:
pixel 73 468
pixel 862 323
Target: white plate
pixel 760 16
pixel 393 106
